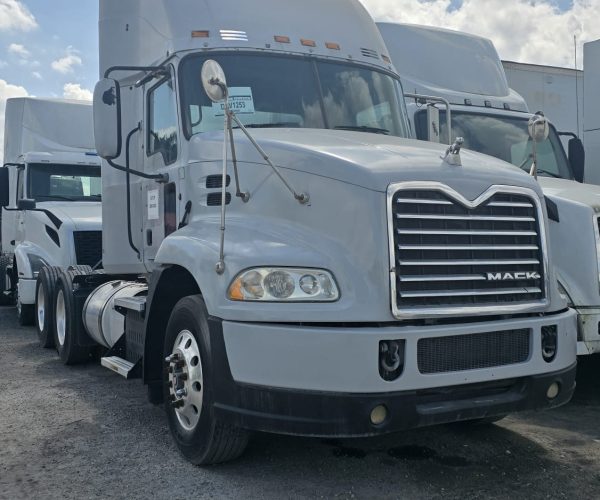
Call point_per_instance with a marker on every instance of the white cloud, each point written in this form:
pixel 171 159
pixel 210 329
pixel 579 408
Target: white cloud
pixel 75 91
pixel 19 50
pixel 522 30
pixel 67 63
pixel 16 16
pixel 37 75
pixel 6 92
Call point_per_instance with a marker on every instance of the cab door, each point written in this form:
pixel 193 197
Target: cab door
pixel 162 155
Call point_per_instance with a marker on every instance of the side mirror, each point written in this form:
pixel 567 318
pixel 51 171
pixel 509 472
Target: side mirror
pixel 26 205
pixel 577 158
pixel 107 118
pixel 4 187
pixel 214 81
pixel 539 128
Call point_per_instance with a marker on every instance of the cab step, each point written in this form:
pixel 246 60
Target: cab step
pixel 121 366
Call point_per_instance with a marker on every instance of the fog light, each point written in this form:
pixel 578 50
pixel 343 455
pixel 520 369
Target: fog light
pixel 553 391
pixel 379 415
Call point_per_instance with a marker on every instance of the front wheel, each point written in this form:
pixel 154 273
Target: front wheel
pixel 188 389
pixel 44 305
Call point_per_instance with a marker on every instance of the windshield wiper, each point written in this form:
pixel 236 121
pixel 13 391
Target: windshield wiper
pixel 551 174
pixel 373 130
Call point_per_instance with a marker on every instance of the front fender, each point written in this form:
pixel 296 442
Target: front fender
pixel 260 241
pixel 30 259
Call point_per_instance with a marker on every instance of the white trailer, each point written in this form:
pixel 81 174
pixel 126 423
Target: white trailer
pixel 280 256
pixel 591 61
pixel 493 119
pixel 50 189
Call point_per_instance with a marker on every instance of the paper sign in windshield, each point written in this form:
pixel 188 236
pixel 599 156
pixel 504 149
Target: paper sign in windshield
pixel 241 102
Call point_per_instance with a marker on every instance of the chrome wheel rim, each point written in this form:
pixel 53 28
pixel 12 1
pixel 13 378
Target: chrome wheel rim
pixel 186 380
pixel 41 307
pixel 61 317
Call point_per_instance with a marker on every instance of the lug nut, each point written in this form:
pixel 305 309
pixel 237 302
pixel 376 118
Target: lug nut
pixel 181 393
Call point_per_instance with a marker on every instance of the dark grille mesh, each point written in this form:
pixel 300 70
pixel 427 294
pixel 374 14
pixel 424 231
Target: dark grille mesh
pixel 88 247
pixel 472 352
pixel 446 252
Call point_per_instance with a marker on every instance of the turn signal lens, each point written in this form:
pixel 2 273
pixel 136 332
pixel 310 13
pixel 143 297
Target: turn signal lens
pixel 284 285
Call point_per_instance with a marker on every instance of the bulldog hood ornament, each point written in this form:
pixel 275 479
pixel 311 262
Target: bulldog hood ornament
pixel 452 156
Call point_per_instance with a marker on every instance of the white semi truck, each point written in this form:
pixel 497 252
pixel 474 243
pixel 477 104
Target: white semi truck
pixel 280 256
pixel 465 72
pixel 50 191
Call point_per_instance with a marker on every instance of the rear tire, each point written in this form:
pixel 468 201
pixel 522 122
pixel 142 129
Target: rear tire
pixel 67 319
pixel 199 435
pixel 44 305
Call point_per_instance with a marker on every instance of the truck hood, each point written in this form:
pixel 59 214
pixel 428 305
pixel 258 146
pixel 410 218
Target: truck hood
pixel 80 216
pixel 371 161
pixel 570 191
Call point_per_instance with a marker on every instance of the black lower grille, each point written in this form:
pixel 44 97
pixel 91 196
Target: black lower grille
pixel 473 352
pixel 88 247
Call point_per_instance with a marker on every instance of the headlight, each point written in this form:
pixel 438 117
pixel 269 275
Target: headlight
pixel 268 284
pixel 564 294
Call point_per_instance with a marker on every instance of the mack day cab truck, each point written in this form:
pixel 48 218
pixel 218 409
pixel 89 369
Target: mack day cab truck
pixel 493 119
pixel 286 259
pixel 50 193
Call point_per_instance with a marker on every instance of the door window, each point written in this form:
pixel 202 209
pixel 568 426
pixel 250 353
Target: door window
pixel 162 121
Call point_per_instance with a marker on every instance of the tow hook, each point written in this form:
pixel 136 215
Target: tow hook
pixel 391 359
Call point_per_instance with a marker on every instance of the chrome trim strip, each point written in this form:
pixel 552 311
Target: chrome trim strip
pixel 423 201
pixel 469 293
pixel 464 217
pixel 493 309
pixel 508 204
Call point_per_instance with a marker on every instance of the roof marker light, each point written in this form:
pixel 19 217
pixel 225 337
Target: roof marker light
pixel 308 43
pixel 333 46
pixel 200 34
pixel 282 39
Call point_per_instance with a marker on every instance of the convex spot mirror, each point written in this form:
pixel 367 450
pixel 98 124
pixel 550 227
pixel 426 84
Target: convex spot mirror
pixel 577 158
pixel 4 187
pixel 214 81
pixel 539 128
pixel 107 118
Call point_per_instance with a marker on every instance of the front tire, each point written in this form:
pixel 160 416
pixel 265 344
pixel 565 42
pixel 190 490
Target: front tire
pixel 66 320
pixel 189 393
pixel 44 305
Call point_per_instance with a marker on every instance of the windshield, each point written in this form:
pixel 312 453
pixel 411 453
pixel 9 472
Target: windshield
pixel 52 182
pixel 269 92
pixel 504 137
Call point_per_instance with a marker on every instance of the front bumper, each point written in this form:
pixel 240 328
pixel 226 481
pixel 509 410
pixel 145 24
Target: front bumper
pixel 589 330
pixel 324 381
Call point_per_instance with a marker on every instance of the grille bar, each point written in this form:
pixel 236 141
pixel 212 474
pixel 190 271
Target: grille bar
pixel 454 293
pixel 451 277
pixel 474 262
pixel 466 233
pixel 465 217
pixel 469 247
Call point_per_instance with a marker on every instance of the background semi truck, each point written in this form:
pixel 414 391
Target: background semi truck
pixel 50 190
pixel 591 122
pixel 493 119
pixel 286 259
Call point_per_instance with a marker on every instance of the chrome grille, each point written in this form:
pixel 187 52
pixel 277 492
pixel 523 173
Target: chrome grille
pixel 473 352
pixel 455 254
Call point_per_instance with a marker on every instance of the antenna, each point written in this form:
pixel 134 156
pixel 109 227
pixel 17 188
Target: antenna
pixel 576 84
